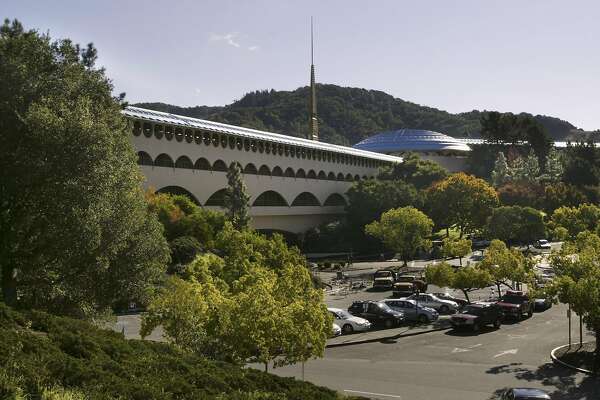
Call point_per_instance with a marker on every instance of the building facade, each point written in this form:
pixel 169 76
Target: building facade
pixel 294 184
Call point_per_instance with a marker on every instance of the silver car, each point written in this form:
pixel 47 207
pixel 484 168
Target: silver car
pixel 348 322
pixel 432 301
pixel 412 311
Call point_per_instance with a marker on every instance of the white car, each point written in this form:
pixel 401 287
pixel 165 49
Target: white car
pixel 542 244
pixel 432 301
pixel 336 330
pixel 349 322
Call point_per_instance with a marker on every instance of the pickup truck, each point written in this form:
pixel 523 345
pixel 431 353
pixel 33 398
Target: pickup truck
pixel 384 279
pixel 516 304
pixel 476 315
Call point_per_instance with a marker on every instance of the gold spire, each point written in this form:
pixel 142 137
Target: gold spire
pixel 314 122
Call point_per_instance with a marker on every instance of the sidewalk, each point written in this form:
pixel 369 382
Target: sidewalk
pixel 442 323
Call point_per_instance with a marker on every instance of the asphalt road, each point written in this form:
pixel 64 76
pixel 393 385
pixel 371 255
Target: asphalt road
pixel 449 366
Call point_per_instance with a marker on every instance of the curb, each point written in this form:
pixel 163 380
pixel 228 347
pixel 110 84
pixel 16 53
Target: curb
pixel 397 336
pixel 564 364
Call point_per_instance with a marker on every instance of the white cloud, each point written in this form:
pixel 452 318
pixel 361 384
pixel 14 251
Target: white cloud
pixel 253 48
pixel 229 38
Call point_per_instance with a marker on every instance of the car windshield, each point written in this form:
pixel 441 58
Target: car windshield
pixel 344 314
pixel 384 306
pixel 543 241
pixel 511 298
pixel 472 310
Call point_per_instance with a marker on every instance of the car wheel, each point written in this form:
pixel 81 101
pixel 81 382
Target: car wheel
pixel 497 323
pixel 444 309
pixel 388 323
pixel 530 312
pixel 347 328
pixel 475 327
pixel 423 319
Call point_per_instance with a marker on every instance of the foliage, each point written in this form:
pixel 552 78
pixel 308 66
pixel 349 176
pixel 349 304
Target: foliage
pixel 576 219
pixel 582 164
pixel 62 358
pixel 415 171
pixel 515 224
pixel 331 237
pixel 501 173
pixel 457 248
pixel 236 198
pixel 77 236
pixel 461 200
pixel 562 194
pixel 519 193
pixel 466 279
pixel 255 301
pixel 405 230
pixel 505 265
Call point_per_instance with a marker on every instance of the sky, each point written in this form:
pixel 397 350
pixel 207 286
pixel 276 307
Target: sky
pixel 537 56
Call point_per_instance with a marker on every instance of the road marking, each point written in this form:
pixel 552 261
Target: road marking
pixel 505 352
pixel 373 394
pixel 459 350
pixel 475 345
pixel 516 336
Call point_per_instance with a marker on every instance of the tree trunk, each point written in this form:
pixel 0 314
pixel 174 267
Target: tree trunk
pixel 466 293
pixel 266 367
pixel 597 353
pixel 460 261
pixel 447 232
pixel 9 286
pixel 499 292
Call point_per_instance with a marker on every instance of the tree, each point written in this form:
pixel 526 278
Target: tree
pixel 236 198
pixel 464 279
pixel 253 302
pixel 526 169
pixel 515 224
pixel 553 172
pixel 575 220
pixel 404 230
pixel 457 248
pixel 77 235
pixel 463 200
pixel 582 164
pixel 504 265
pixel 501 173
pixel 415 171
pixel 519 193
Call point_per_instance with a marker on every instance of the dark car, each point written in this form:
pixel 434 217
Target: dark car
pixel 474 316
pixel 516 304
pixel 376 313
pixel 525 394
pixel 540 305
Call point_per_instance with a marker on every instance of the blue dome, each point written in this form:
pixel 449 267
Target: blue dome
pixel 403 140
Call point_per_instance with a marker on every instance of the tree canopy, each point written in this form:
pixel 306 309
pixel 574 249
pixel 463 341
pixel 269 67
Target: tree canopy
pixel 515 224
pixel 77 234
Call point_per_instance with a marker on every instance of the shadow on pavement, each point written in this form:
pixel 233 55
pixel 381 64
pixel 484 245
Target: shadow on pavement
pixel 560 382
pixel 469 332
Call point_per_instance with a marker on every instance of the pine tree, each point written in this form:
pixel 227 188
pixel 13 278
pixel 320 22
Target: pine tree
pixel 501 173
pixel 554 166
pixel 236 198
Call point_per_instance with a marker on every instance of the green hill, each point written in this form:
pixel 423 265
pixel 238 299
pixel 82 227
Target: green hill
pixel 346 115
pixel 43 355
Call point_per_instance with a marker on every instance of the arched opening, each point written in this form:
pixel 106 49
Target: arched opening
pixel 305 199
pixel 264 170
pixel 219 165
pixel 340 177
pixel 164 160
pixel 349 178
pixel 178 134
pixel 335 199
pixel 331 176
pixel 250 169
pixel 179 191
pixel 184 162
pixel 147 129
pixel 322 175
pixel 311 174
pixel 144 158
pixel 300 173
pixel 217 199
pixel 168 132
pixel 137 128
pixel 158 131
pixel 277 172
pixel 202 164
pixel 198 137
pixel 289 173
pixel 189 135
pixel 270 198
pixel 357 177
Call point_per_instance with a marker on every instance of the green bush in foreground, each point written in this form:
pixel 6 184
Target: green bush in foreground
pixel 47 357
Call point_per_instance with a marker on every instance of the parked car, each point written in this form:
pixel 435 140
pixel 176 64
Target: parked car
pixel 376 313
pixel 412 311
pixel 541 304
pixel 447 296
pixel 403 289
pixel 432 301
pixel 542 244
pixel 480 243
pixel 474 316
pixel 516 304
pixel 336 330
pixel 348 322
pixel 525 394
pixel 384 279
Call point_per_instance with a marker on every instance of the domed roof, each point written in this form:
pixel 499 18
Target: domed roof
pixel 411 140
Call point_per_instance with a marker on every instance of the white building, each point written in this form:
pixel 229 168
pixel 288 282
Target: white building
pixel 294 183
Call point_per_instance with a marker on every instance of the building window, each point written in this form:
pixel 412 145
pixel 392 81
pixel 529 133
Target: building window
pixel 268 148
pixel 280 149
pixel 331 176
pixel 144 158
pixel 158 131
pixel 270 198
pixel 179 134
pixel 287 150
pixel 253 146
pixel 289 173
pixel 311 174
pixel 231 141
pixel 219 165
pixel 206 138
pixel 163 160
pixel 189 135
pixel 322 175
pixel 292 151
pixel 305 199
pixel 224 141
pixel 246 145
pixel 300 173
pixel 137 128
pixel 357 177
pixel 261 147
pixel 239 143
pixel 217 199
pixel 334 200
pixel 215 139
pixel 340 177
pixel 349 178
pixel 198 137
pixel 202 164
pixel 147 129
pixel 277 172
pixel 264 170
pixel 184 162
pixel 250 169
pixel 168 132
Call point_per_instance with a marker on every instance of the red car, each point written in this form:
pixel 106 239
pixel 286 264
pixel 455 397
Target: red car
pixel 516 304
